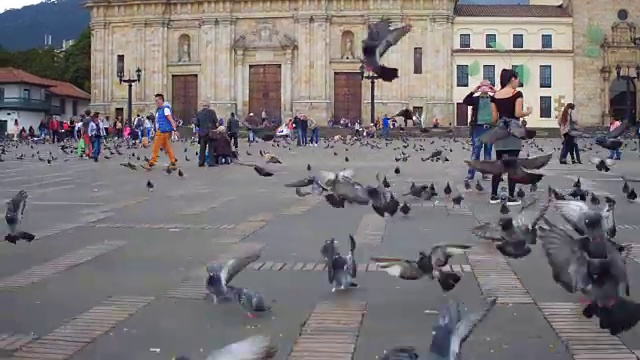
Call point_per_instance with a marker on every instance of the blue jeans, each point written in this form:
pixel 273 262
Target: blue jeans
pixel 615 154
pixel 315 136
pixel 384 132
pixel 95 144
pixel 148 131
pixel 477 146
pixel 302 134
pixel 251 136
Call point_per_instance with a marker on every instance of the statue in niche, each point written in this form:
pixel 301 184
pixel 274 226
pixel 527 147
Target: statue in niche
pixel 184 48
pixel 347 45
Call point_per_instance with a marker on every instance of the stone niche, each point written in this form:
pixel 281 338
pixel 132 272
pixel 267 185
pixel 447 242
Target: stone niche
pixel 183 46
pixel 346 39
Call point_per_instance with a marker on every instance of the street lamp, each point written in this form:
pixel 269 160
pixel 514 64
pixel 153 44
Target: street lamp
pixel 129 81
pixel 368 75
pixel 629 82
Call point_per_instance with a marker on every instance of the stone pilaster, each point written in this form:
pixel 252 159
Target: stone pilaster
pixel 225 69
pixel 207 60
pixel 321 53
pixel 288 84
pixel 303 63
pixel 99 57
pixel 139 93
pixel 239 83
pixel 156 60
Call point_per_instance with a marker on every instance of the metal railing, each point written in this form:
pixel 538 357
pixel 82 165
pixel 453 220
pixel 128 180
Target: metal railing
pixel 18 103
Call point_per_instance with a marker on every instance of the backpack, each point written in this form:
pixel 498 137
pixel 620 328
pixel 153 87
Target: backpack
pixel 484 110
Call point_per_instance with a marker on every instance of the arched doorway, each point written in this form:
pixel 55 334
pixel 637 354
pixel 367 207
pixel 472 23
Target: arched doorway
pixel 622 94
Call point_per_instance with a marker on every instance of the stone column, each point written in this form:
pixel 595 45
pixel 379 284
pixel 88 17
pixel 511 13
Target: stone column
pixel 140 58
pixel 288 79
pixel 154 71
pixel 239 84
pixel 207 59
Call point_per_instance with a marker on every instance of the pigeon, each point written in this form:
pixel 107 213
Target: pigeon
pixel 479 186
pixel 625 187
pixel 256 347
pixel 219 276
pixel 416 191
pixel 520 194
pixel 608 217
pixel 130 166
pixel 429 265
pixel 308 167
pixel 457 200
pixel 253 302
pixel 405 209
pixel 504 129
pixel 13 217
pixel 467 185
pixel 631 195
pixel 400 353
pixel 504 209
pixel 262 171
pixel 601 164
pixel 301 193
pixel 341 269
pixel 594 200
pixel 453 329
pixel 603 280
pixel 447 189
pixel 583 220
pixel 270 158
pixel 380 38
pixel 328 249
pixel 180 173
pixel 608 143
pixel 150 185
pixel 396 170
pixel 335 201
pixel 513 235
pixel 510 165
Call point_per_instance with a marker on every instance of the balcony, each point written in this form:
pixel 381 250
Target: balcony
pixel 18 103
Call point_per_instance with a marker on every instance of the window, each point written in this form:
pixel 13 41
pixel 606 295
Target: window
pixel 1 94
pixel 417 60
pixel 490 41
pixel 417 111
pixel 623 15
pixel 518 41
pixel 63 106
pixel 26 94
pixel 462 75
pixel 74 108
pixel 545 107
pixel 465 41
pixel 545 76
pixel 489 73
pixel 547 41
pixel 120 65
pixel 519 69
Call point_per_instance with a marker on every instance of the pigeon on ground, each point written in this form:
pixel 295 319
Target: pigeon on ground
pixel 380 38
pixel 251 301
pixel 130 166
pixel 513 235
pixel 219 275
pixel 405 209
pixel 453 329
pixel 262 171
pixel 631 195
pixel 14 216
pixel 602 164
pixel 416 191
pixel 150 185
pixel 256 347
pixel 400 353
pixel 341 269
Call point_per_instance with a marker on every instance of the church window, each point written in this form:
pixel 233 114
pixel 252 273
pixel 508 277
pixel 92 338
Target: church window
pixel 545 107
pixel 462 75
pixel 490 41
pixel 518 41
pixel 417 60
pixel 465 41
pixel 547 41
pixel 545 76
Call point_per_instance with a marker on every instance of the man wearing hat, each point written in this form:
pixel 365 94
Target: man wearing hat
pixel 207 122
pixel 480 101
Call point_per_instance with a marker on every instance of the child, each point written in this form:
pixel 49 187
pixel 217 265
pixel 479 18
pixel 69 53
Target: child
pixel 614 154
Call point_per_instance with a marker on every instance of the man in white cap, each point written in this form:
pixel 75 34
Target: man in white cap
pixel 480 101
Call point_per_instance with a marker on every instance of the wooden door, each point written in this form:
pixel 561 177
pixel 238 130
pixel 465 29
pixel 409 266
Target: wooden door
pixel 184 96
pixel 347 96
pixel 265 90
pixel 462 114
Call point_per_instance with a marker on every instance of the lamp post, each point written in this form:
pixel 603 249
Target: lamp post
pixel 368 75
pixel 629 82
pixel 129 81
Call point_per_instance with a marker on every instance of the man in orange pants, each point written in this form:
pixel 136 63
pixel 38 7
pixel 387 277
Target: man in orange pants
pixel 166 125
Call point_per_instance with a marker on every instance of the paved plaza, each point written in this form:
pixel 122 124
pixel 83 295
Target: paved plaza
pixel 118 272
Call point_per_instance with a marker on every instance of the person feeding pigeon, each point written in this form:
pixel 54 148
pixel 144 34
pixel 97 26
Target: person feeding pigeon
pixel 507 104
pixel 481 117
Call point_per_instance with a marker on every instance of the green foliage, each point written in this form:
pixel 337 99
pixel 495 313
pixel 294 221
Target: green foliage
pixel 524 73
pixel 497 46
pixel 73 65
pixel 595 37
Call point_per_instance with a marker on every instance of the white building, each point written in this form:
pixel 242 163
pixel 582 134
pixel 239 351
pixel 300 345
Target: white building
pixel 26 99
pixel 535 40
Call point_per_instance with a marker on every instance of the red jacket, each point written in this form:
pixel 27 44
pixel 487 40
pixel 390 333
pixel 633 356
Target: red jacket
pixel 53 125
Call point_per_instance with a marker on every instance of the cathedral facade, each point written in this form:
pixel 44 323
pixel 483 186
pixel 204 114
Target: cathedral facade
pixel 277 56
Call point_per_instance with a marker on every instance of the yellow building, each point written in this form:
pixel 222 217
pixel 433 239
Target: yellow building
pixel 283 56
pixel 536 41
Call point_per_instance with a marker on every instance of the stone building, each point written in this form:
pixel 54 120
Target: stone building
pixel 536 41
pixel 283 56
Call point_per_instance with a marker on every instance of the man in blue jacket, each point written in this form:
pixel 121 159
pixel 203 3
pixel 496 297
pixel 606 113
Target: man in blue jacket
pixel 166 126
pixel 480 101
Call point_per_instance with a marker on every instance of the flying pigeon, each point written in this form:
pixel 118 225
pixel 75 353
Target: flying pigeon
pixel 256 347
pixel 380 38
pixel 504 129
pixel 219 276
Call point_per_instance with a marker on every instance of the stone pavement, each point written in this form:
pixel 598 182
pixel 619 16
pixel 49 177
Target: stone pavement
pixel 118 272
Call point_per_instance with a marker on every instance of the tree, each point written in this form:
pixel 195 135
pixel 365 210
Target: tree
pixel 76 62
